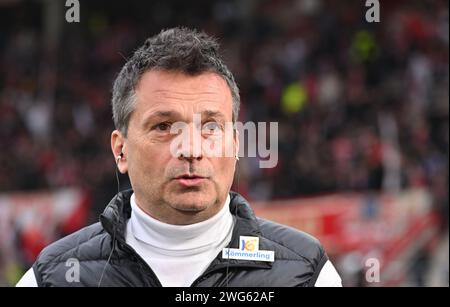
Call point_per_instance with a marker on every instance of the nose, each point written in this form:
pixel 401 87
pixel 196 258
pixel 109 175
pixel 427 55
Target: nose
pixel 191 147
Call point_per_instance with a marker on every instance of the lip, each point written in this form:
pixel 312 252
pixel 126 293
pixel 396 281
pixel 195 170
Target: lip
pixel 190 180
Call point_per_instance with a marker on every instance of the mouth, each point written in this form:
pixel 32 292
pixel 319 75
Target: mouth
pixel 190 180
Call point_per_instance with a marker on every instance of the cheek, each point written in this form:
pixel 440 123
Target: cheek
pixel 151 161
pixel 225 168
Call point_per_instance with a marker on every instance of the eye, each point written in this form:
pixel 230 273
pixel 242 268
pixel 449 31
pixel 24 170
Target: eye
pixel 211 128
pixel 163 127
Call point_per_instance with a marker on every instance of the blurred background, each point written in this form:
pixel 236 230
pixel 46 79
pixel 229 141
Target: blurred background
pixel 362 111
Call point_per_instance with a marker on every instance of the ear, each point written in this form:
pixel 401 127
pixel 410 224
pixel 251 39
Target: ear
pixel 118 148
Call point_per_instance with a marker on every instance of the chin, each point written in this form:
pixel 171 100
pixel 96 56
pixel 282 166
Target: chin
pixel 192 201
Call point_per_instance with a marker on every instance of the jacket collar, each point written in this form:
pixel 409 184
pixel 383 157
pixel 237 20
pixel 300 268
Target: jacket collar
pixel 115 216
pixel 246 224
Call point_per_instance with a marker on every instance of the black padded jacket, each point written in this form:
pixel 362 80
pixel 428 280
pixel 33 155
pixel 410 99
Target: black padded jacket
pixel 105 259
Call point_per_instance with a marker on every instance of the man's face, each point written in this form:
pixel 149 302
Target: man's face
pixel 184 186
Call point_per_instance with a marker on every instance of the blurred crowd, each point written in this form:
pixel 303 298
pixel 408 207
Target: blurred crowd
pixel 361 106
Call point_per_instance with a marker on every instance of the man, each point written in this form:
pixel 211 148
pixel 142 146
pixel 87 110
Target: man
pixel 180 225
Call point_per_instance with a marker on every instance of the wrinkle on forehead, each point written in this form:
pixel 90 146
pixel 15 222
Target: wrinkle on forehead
pixel 189 94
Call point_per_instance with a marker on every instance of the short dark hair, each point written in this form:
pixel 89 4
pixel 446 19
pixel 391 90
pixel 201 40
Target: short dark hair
pixel 177 49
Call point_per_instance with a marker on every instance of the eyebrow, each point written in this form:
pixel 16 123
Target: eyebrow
pixel 159 115
pixel 173 114
pixel 209 114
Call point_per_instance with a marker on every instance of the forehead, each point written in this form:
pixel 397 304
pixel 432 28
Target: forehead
pixel 166 91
